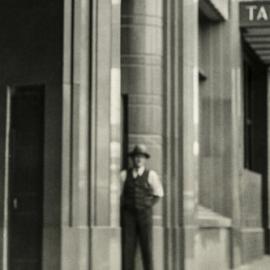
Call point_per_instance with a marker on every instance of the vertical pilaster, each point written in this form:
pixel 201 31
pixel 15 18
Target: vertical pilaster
pixel 237 160
pixel 181 132
pixel 173 202
pixel 115 116
pixel 91 139
pixel 142 80
pixel 190 129
pixel 75 155
pixel 105 159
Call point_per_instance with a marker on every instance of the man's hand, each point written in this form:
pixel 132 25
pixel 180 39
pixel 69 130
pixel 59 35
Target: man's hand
pixel 155 199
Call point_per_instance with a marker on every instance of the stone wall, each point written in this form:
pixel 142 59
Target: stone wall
pixel 31 54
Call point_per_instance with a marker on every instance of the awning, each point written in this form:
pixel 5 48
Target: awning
pixel 259 41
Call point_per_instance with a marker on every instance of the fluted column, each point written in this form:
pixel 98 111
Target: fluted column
pixel 237 158
pixel 190 130
pixel 90 231
pixel 142 52
pixel 75 156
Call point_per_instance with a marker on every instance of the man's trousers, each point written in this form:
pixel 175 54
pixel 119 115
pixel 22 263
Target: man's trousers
pixel 136 228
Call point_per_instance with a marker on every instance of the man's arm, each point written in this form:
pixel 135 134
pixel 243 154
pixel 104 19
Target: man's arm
pixel 123 176
pixel 156 186
pixel 155 199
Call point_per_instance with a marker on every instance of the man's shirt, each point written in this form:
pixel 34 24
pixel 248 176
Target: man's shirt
pixel 153 180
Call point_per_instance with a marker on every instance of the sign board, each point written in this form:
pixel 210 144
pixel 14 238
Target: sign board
pixel 254 13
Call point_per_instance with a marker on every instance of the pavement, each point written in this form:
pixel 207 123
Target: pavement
pixel 262 264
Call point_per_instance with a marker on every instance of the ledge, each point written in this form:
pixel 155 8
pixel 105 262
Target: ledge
pixel 210 219
pixel 261 264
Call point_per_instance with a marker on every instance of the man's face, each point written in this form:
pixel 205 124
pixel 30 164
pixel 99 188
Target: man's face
pixel 139 161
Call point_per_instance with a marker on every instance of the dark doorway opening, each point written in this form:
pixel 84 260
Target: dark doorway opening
pixel 255 126
pixel 124 131
pixel 26 178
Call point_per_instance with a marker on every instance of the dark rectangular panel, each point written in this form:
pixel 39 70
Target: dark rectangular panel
pixel 26 178
pixel 255 14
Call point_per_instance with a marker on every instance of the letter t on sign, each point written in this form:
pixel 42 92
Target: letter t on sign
pixel 251 10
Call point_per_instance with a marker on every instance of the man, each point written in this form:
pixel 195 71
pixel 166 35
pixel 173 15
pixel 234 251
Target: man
pixel 141 189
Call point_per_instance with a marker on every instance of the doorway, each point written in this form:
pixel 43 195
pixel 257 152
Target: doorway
pixel 25 193
pixel 255 126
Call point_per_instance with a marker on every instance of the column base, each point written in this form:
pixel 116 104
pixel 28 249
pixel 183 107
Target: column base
pixel 106 248
pixel 252 244
pixel 94 248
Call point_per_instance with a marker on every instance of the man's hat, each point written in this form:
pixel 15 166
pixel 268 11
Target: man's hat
pixel 139 149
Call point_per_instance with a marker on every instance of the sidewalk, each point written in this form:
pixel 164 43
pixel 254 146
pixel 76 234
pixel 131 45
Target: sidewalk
pixel 263 264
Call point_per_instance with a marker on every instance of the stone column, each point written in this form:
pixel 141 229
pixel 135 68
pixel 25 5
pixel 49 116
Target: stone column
pixel 142 73
pixel 237 158
pixel 181 132
pixel 105 136
pixel 190 129
pixel 90 230
pixel 181 165
pixel 75 146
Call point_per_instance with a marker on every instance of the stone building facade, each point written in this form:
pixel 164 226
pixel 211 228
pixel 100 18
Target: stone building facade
pixel 184 77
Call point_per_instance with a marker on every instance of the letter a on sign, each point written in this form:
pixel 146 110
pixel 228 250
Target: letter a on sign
pixel 262 14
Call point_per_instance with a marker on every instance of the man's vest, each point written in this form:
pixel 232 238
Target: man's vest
pixel 137 193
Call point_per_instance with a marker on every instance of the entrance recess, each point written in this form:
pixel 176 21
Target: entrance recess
pixel 255 28
pixel 26 178
pixel 255 126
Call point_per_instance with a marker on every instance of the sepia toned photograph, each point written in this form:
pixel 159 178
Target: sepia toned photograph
pixel 134 135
